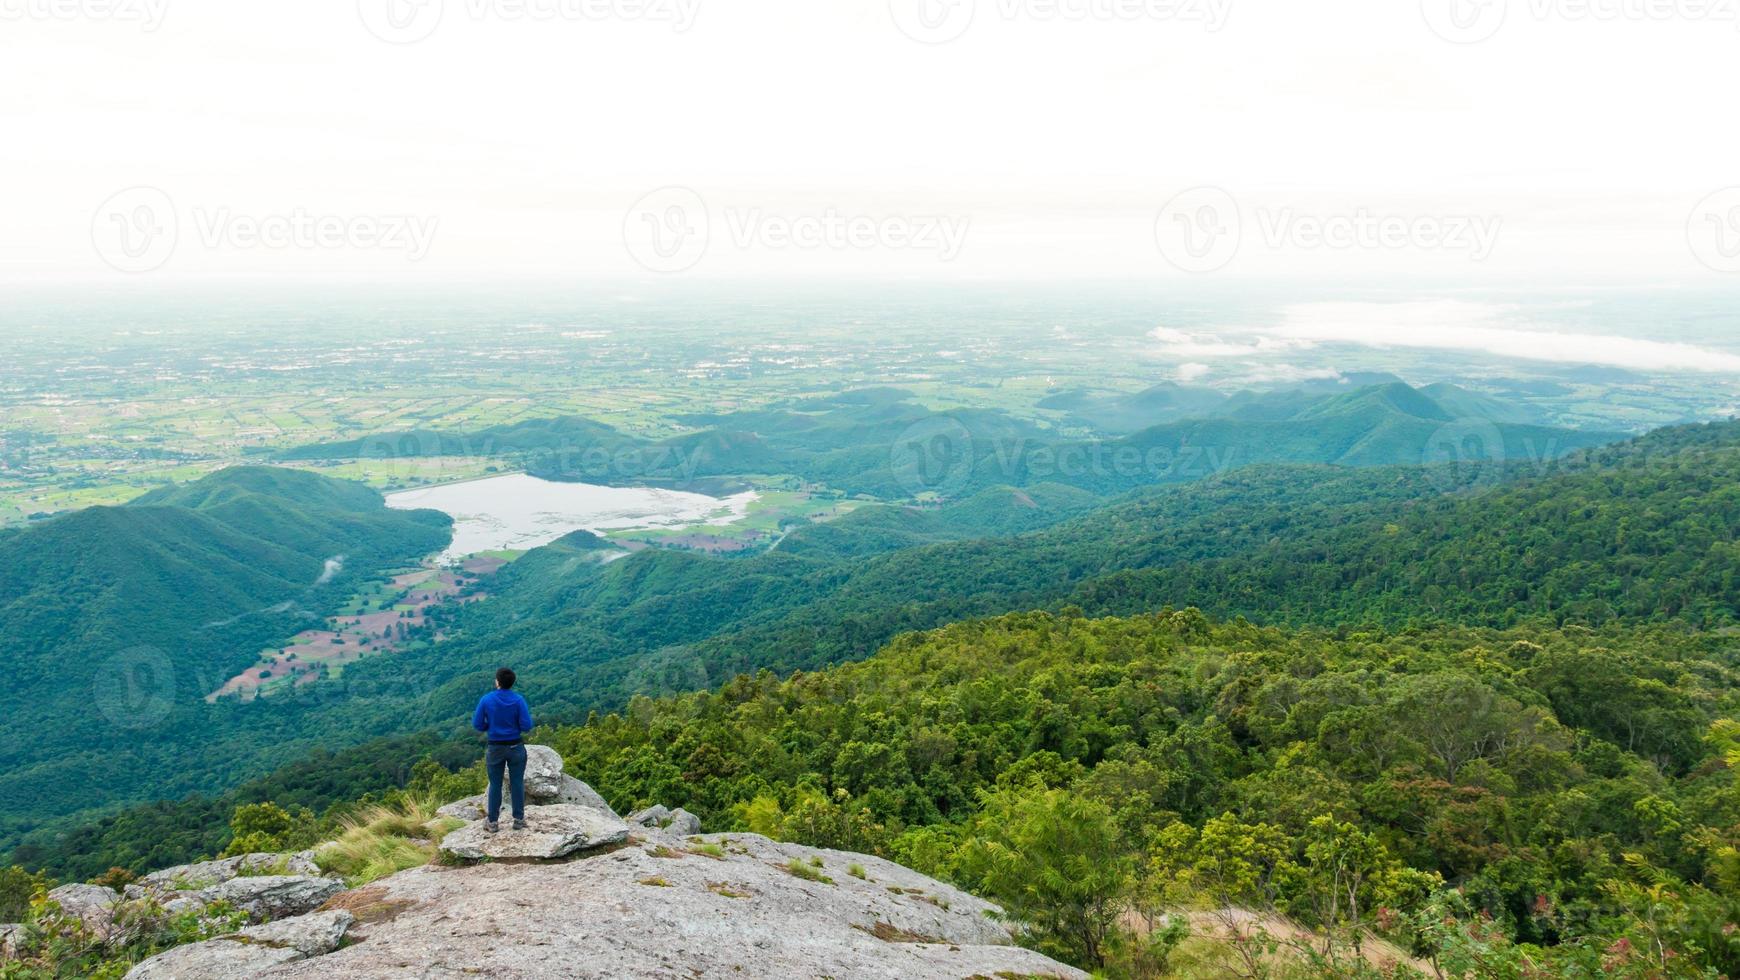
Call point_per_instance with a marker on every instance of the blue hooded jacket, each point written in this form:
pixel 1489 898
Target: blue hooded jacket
pixel 503 715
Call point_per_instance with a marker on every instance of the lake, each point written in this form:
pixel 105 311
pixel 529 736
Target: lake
pixel 518 512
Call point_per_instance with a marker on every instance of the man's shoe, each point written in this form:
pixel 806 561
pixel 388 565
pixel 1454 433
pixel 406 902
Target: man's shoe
pixel 519 825
pixel 491 826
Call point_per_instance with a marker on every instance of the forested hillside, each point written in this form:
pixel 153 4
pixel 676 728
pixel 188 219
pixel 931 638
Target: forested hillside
pixel 1561 781
pixel 1307 545
pixel 115 621
pixel 1642 531
pixel 1523 802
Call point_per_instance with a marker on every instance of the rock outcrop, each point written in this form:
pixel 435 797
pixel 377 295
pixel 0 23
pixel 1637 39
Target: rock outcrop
pixel 567 790
pixel 563 815
pixel 663 903
pixel 92 905
pixel 726 905
pixel 266 886
pixel 250 952
pixel 678 822
pixel 551 832
pixel 266 897
pixel 204 874
pixel 578 793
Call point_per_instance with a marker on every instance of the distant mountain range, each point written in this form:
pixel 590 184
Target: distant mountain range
pixel 881 443
pixel 1120 413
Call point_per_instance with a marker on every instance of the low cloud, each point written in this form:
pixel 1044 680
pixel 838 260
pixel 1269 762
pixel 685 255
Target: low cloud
pixel 333 566
pixel 1289 374
pixel 1180 343
pixel 1491 328
pixel 1194 371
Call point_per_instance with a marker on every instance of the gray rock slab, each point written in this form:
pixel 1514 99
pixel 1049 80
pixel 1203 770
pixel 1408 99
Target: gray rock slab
pixel 214 959
pixel 314 934
pixel 249 953
pixel 578 793
pixel 651 911
pixel 274 896
pixel 652 816
pixel 204 874
pixel 573 791
pixel 93 905
pixel 552 832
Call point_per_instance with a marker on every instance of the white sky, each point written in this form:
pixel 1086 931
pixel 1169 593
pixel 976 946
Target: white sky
pixel 1050 145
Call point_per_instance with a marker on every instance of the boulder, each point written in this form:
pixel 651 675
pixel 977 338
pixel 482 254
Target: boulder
pixel 273 896
pixel 250 952
pixel 93 905
pixel 683 823
pixel 543 773
pixel 578 793
pixel 553 831
pixel 214 959
pixel 204 874
pixel 10 936
pixel 470 808
pixel 678 822
pixel 573 791
pixel 314 934
pixel 652 816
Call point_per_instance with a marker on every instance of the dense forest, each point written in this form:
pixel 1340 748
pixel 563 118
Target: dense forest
pixel 1638 532
pixel 115 621
pixel 1568 785
pixel 1530 801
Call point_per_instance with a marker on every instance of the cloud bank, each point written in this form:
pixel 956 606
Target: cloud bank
pixel 1501 330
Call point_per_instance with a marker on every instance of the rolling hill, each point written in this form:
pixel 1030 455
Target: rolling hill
pixel 880 443
pixel 113 621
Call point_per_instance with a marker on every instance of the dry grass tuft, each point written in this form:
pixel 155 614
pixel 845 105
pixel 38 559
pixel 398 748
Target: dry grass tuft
pixel 381 840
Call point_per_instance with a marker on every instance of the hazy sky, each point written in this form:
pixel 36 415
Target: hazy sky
pixel 190 139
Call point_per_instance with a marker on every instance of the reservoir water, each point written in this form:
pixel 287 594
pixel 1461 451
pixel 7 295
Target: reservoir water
pixel 519 512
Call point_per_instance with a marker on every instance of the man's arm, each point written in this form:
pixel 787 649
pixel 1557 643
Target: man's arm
pixel 525 716
pixel 480 718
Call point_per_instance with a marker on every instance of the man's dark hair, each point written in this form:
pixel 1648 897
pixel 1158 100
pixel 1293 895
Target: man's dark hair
pixel 505 678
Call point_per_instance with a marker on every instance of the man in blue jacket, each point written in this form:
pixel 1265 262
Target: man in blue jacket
pixel 505 718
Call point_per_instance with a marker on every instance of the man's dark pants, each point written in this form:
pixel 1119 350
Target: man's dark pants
pixel 513 759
